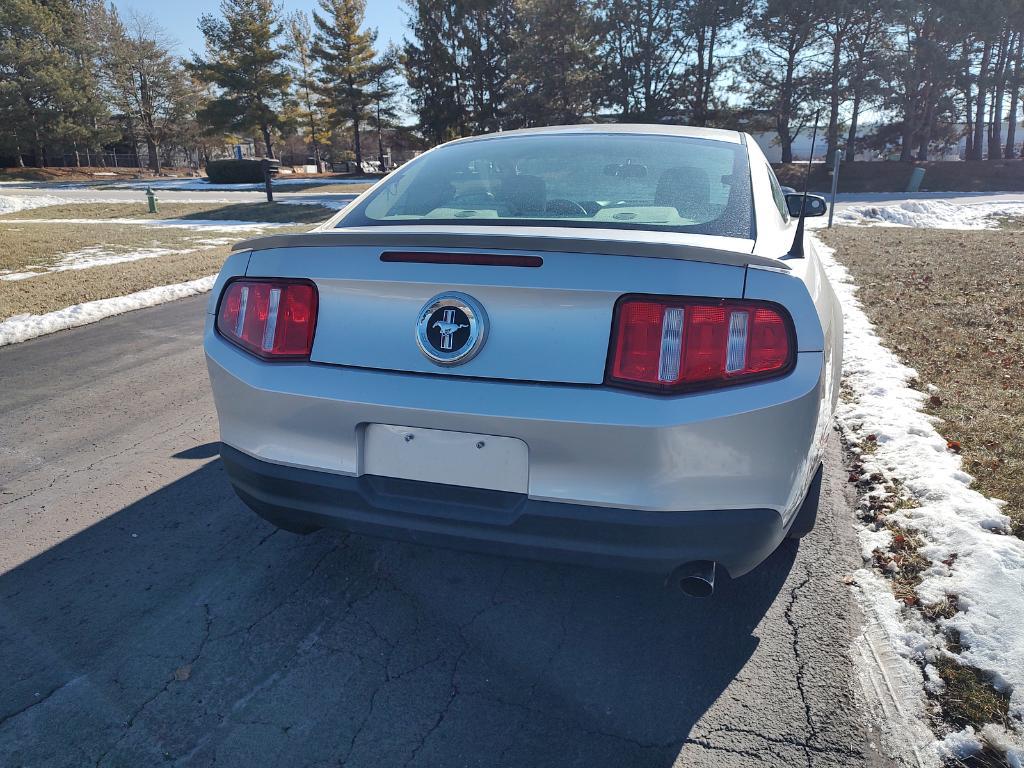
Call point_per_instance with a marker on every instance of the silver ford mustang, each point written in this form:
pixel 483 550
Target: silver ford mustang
pixel 603 344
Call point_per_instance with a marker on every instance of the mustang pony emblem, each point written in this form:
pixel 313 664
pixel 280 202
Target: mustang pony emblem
pixel 451 328
pixel 448 327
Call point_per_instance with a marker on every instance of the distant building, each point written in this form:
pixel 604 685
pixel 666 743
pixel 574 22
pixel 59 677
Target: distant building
pixel 769 143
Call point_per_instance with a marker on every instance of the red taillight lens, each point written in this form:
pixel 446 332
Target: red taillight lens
pixel 273 319
pixel 677 344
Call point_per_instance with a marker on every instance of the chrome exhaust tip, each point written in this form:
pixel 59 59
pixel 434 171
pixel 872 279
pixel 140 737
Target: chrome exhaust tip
pixel 696 578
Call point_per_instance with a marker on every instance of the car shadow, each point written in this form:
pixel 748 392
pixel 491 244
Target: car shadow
pixel 184 629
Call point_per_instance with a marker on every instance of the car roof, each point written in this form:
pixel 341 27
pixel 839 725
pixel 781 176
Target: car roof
pixel 686 131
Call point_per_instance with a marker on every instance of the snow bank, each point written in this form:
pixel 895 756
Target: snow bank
pixel 985 571
pixel 15 203
pixel 24 327
pixel 937 214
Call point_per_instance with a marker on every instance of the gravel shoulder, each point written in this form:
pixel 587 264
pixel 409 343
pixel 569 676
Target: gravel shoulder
pixel 149 617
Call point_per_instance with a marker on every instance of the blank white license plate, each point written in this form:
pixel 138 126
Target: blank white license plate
pixel 451 458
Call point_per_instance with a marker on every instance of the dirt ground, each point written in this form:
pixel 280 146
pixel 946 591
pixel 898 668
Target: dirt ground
pixel 950 304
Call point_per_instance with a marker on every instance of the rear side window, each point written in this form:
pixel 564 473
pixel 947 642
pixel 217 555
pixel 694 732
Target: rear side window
pixel 777 196
pixel 596 180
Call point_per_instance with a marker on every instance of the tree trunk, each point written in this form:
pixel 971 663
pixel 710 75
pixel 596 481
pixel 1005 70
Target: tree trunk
pixel 356 146
pixel 267 142
pixel 924 135
pixel 785 140
pixel 380 140
pixel 1015 84
pixel 979 104
pixel 832 135
pixel 851 137
pixel 969 136
pixel 995 131
pixel 154 156
pixel 910 107
pixel 907 139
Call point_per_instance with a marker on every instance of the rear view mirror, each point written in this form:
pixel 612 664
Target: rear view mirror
pixel 816 205
pixel 626 170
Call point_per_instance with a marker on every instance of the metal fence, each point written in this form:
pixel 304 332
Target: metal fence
pixel 91 159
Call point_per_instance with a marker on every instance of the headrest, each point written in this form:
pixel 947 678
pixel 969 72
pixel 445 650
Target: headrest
pixel 524 195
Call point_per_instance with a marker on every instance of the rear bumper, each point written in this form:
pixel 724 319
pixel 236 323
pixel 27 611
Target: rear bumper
pixel 753 446
pixel 503 523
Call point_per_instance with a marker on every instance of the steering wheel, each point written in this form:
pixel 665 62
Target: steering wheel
pixel 561 206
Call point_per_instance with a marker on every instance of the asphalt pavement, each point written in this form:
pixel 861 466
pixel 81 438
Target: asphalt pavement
pixel 147 617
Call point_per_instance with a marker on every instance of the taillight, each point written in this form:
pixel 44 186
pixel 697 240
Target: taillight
pixel 672 345
pixel 271 318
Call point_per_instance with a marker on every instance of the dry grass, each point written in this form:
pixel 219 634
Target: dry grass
pixel 323 186
pixel 950 304
pixel 257 212
pixel 38 245
pixel 969 698
pixel 54 291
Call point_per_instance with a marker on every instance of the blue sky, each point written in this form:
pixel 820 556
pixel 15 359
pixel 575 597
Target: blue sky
pixel 178 17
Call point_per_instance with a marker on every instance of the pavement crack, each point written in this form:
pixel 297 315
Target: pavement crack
pixel 137 713
pixel 87 467
pixel 784 741
pixel 287 598
pixel 795 633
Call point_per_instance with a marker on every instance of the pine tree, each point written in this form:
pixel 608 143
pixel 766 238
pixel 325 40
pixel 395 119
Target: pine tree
pixel 712 24
pixel 487 39
pixel 556 79
pixel 435 67
pixel 300 40
pixel 48 77
pixel 383 94
pixel 346 57
pixel 778 67
pixel 245 66
pixel 644 46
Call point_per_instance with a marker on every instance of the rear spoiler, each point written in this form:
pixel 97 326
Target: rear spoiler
pixel 614 243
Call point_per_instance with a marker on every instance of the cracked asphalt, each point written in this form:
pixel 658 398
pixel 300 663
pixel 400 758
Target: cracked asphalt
pixel 147 617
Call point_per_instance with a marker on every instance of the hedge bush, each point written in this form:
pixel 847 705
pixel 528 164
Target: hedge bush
pixel 234 171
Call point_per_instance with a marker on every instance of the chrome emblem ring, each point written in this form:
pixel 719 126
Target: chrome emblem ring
pixel 451 328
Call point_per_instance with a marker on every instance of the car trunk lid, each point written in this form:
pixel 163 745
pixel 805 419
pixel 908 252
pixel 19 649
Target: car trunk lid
pixel 544 323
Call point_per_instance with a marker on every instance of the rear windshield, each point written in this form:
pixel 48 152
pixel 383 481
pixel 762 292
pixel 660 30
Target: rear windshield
pixel 619 181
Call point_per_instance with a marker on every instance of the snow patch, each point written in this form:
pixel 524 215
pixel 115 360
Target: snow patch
pixel 94 256
pixel 24 327
pixel 935 214
pixel 15 203
pixel 986 578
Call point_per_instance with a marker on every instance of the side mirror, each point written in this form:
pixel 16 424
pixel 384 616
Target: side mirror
pixel 816 205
